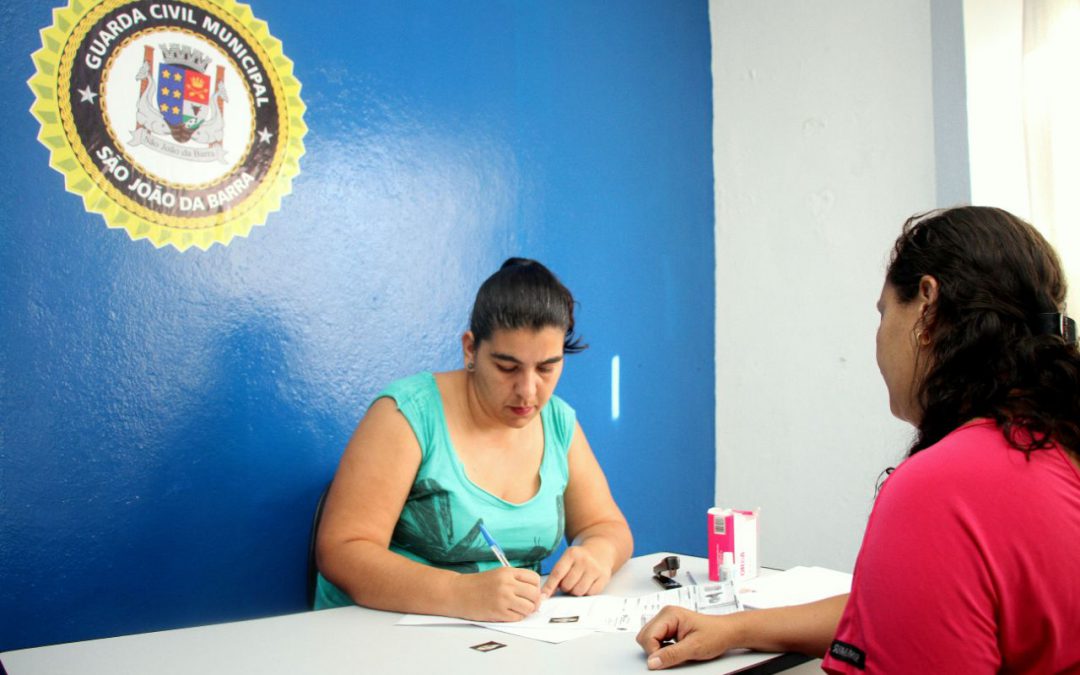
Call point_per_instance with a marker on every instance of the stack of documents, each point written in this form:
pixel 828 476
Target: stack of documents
pixel 792 587
pixel 566 617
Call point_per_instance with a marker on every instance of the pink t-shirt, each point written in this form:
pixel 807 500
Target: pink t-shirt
pixel 970 564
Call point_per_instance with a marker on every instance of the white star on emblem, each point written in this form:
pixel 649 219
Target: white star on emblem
pixel 265 135
pixel 87 95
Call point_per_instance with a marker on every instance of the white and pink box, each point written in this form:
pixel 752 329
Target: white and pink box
pixel 735 532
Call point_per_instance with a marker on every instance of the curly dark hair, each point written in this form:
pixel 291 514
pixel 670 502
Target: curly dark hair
pixel 989 355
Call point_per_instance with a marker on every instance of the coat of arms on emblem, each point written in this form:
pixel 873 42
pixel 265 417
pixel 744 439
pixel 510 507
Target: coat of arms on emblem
pixel 184 103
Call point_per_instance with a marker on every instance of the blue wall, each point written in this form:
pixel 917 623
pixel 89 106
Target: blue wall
pixel 168 419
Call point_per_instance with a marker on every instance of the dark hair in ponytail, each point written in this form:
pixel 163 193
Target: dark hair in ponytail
pixel 524 294
pixel 991 354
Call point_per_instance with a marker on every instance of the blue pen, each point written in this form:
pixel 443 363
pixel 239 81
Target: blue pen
pixel 495 548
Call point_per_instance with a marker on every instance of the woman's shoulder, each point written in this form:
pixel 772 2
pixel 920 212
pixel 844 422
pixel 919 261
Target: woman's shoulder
pixel 976 437
pixel 969 460
pixel 561 419
pixel 940 489
pixel 558 405
pixel 414 388
pixel 560 412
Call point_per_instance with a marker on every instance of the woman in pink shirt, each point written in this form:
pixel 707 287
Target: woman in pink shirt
pixel 971 558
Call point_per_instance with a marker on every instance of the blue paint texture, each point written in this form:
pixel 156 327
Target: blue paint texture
pixel 168 419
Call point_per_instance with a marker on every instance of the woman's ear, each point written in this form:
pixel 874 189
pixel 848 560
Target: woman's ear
pixel 928 289
pixel 927 297
pixel 468 348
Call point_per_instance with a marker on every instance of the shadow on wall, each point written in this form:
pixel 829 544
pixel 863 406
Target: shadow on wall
pixel 241 486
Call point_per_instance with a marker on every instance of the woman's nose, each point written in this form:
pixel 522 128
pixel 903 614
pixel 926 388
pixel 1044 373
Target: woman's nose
pixel 525 386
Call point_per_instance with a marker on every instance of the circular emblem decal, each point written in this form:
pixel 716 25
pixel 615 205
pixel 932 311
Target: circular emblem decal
pixel 179 121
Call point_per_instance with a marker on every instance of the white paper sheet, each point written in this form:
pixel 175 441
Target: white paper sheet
pixel 565 617
pixel 795 586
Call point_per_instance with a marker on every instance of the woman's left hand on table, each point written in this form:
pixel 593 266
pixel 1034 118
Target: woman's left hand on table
pixel 578 572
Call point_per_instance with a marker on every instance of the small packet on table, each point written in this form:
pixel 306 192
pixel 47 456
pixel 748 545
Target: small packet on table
pixel 733 532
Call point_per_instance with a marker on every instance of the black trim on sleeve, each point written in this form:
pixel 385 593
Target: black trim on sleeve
pixel 850 654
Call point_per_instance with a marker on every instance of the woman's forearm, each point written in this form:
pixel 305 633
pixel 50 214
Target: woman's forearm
pixel 807 629
pixel 376 577
pixel 609 541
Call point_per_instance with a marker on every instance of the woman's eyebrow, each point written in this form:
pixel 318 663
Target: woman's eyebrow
pixel 514 359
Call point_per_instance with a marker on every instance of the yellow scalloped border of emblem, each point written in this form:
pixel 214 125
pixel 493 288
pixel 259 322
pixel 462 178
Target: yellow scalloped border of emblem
pixel 120 212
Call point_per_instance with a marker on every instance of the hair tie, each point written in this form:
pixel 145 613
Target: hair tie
pixel 1058 324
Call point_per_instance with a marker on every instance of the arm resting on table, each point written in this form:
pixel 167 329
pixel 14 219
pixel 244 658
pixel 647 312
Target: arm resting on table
pixel 808 629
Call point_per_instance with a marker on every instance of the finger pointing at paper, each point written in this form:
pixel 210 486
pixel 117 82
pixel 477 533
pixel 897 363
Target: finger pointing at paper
pixel 578 572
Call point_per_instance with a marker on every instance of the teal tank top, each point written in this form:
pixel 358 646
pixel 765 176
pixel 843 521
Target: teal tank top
pixel 440 521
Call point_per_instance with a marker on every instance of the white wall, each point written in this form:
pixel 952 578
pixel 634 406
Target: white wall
pixel 993 39
pixel 994 43
pixel 824 142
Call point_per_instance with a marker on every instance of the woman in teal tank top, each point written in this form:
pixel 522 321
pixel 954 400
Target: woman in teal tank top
pixel 440 458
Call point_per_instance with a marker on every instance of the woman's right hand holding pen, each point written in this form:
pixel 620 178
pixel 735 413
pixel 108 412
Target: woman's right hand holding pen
pixel 500 594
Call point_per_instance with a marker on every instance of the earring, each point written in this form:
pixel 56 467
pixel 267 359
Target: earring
pixel 470 366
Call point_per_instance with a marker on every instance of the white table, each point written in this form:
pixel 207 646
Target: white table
pixel 357 640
